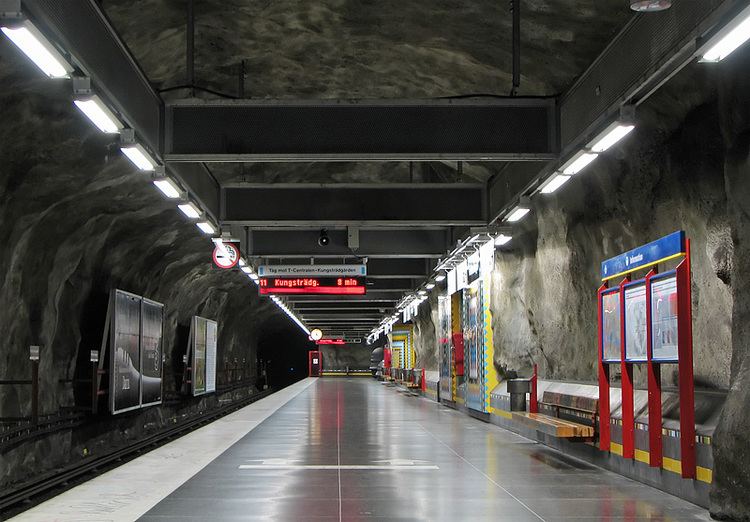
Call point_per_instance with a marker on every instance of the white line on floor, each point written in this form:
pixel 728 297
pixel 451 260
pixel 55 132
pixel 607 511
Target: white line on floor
pixel 334 466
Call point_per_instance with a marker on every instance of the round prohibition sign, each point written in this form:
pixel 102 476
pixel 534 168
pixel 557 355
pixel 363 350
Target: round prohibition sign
pixel 226 255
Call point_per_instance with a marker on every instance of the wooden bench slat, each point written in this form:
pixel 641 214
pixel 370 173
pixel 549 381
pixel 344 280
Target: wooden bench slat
pixel 554 426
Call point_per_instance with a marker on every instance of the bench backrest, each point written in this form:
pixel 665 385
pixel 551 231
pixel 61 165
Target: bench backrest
pixel 572 402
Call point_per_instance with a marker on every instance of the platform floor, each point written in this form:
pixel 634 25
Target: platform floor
pixel 353 449
pixel 350 449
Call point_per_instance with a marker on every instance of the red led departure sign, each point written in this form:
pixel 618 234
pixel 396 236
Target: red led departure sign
pixel 312 285
pixel 331 341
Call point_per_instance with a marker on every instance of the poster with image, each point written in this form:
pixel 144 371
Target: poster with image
pixel 211 337
pixel 199 356
pixel 151 351
pixel 635 323
pixel 664 319
pixel 125 361
pixel 611 326
pixel 446 345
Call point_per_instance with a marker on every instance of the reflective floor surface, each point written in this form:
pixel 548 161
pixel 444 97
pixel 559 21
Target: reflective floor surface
pixel 352 449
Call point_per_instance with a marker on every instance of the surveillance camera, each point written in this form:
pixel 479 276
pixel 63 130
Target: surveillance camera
pixel 323 239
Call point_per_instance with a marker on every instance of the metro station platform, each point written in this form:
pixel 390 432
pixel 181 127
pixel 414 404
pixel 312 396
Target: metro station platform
pixel 351 449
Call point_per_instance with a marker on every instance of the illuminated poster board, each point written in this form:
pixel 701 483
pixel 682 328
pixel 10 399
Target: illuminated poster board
pixel 199 355
pixel 312 286
pixel 446 345
pixel 473 326
pixel 211 335
pixel 125 362
pixel 152 314
pixel 636 340
pixel 664 318
pixel 611 340
pixel 203 343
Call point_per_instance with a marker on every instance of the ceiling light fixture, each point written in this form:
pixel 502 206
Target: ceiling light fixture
pixel 729 38
pixel 167 187
pixel 440 277
pixel 553 183
pixel 502 239
pixel 650 6
pixel 206 227
pixel 578 162
pixel 99 114
pixel 139 156
pixel 611 135
pixel 38 49
pixel 519 211
pixel 190 210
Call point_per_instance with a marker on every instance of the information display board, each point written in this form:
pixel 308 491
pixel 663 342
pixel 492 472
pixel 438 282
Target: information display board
pixel 204 333
pixel 312 285
pixel 664 318
pixel 611 335
pixel 636 340
pixel 152 314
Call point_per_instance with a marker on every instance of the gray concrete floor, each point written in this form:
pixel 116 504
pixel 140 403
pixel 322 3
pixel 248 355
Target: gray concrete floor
pixel 351 449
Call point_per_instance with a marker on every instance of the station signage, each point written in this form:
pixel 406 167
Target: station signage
pixel 337 342
pixel 306 285
pixel 659 251
pixel 293 271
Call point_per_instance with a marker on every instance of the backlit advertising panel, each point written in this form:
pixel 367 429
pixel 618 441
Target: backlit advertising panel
pixel 635 322
pixel 199 356
pixel 151 351
pixel 611 335
pixel 664 319
pixel 211 336
pixel 125 361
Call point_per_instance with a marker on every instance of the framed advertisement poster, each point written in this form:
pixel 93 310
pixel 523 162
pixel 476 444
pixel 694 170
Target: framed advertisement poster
pixel 636 340
pixel 664 318
pixel 152 314
pixel 611 333
pixel 199 355
pixel 211 337
pixel 125 362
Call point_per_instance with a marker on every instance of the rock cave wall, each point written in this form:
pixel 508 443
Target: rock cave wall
pixel 75 224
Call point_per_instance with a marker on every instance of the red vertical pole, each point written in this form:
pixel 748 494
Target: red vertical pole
pixel 309 363
pixel 424 381
pixel 628 419
pixel 685 365
pixel 533 403
pixel 654 386
pixel 604 432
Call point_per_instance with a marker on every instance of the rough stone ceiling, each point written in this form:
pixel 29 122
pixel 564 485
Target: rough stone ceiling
pixel 368 48
pixel 365 49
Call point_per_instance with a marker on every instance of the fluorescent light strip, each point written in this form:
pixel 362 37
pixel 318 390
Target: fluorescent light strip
pixel 440 277
pixel 611 137
pixel 502 239
pixel 206 227
pixel 246 269
pixel 138 155
pixel 517 214
pixel 578 162
pixel 554 182
pixel 729 42
pixel 167 187
pixel 99 114
pixel 190 210
pixel 38 49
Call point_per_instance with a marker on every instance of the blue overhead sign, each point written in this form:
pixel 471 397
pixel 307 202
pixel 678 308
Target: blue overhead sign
pixel 658 251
